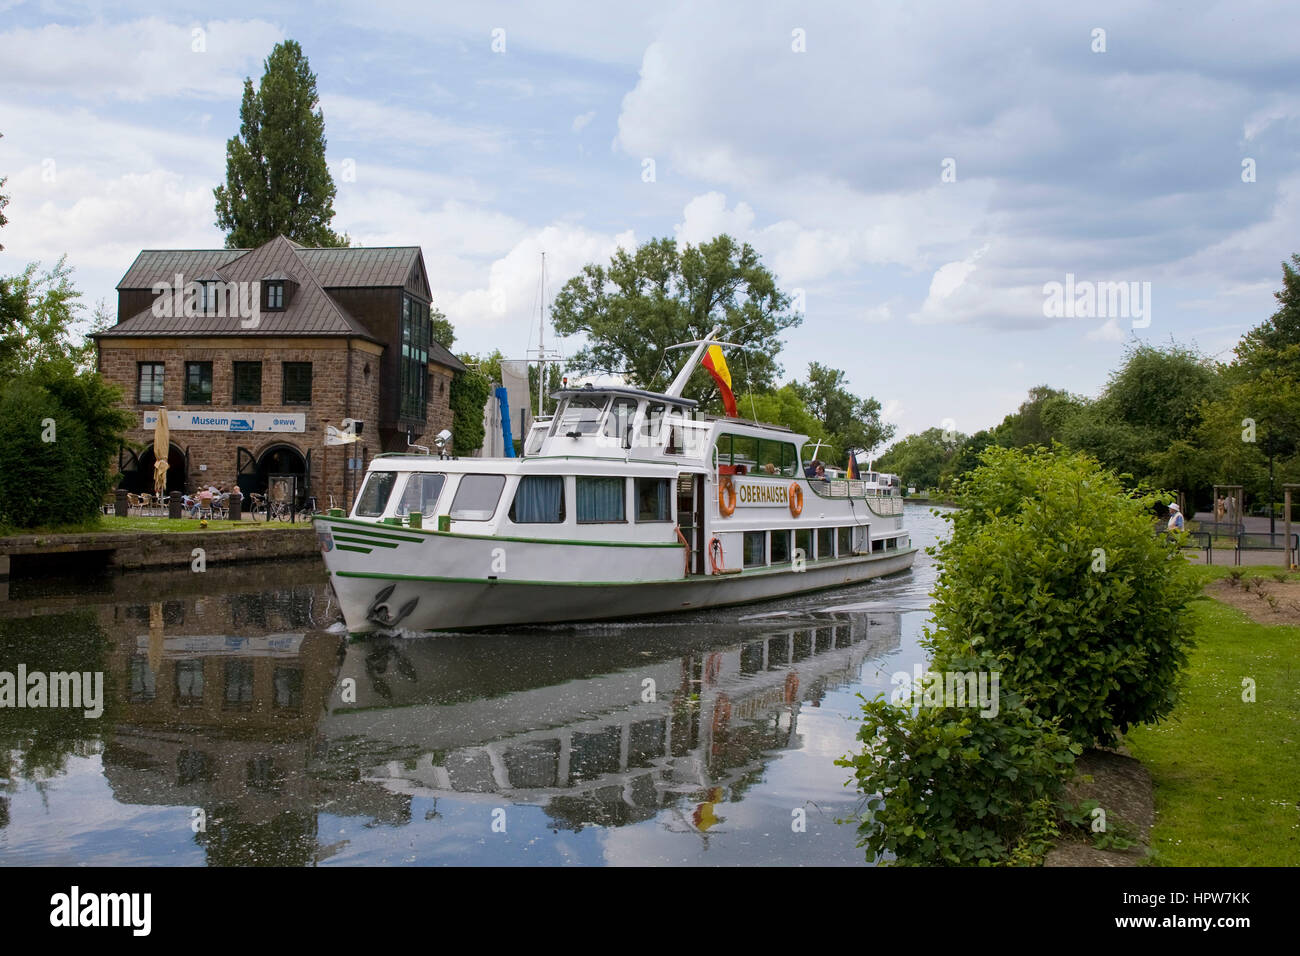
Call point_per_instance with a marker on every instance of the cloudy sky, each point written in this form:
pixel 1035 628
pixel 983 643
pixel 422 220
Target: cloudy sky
pixel 916 173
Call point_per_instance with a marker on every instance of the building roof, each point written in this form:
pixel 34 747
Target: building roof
pixel 367 268
pixel 152 266
pixel 311 312
pixel 443 356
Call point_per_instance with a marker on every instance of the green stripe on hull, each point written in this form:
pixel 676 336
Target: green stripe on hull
pixel 365 528
pixel 373 542
pixel 747 574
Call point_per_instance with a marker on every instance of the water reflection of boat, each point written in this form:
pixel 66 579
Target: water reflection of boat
pixel 611 748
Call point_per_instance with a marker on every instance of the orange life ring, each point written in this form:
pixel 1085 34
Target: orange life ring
pixel 796 499
pixel 727 496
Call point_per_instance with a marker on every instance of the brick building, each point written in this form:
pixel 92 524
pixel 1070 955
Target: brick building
pixel 253 352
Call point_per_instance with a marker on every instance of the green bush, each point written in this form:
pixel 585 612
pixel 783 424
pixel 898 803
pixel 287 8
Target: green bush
pixel 42 482
pixel 59 430
pixel 947 786
pixel 1054 569
pixel 469 394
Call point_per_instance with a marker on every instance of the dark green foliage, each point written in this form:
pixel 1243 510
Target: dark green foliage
pixel 469 393
pixel 42 482
pixel 946 786
pixel 850 423
pixel 1053 567
pixel 277 182
pixel 660 295
pixel 922 460
pixel 4 201
pixel 46 483
pixel 443 333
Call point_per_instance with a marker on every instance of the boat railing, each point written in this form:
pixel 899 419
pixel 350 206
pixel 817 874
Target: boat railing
pixel 881 502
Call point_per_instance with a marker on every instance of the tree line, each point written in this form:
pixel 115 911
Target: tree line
pixel 1168 417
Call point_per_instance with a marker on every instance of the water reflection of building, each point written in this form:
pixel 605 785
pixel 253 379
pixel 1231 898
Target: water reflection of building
pixel 226 724
pixel 605 754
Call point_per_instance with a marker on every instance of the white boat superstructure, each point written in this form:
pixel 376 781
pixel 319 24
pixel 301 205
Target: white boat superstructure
pixel 625 503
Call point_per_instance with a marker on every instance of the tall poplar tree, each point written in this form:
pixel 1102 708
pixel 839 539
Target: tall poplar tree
pixel 277 181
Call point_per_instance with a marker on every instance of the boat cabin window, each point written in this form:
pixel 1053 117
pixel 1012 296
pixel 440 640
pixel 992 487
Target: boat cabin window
pixel 476 497
pixel 755 548
pixel 759 456
pixel 674 438
pixel 421 494
pixel 653 499
pixel 845 542
pixel 825 542
pixel 581 415
pixel 375 493
pixel 618 423
pixel 780 547
pixel 600 499
pixel 536 435
pixel 539 499
pixel 803 544
pixel 654 416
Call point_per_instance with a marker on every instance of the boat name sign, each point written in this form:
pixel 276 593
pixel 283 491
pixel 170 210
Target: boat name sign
pixel 763 494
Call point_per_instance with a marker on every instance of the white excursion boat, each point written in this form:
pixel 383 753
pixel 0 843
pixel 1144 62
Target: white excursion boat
pixel 626 503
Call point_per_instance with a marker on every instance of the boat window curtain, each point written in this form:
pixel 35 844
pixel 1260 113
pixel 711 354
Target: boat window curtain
pixel 600 499
pixel 652 499
pixel 539 500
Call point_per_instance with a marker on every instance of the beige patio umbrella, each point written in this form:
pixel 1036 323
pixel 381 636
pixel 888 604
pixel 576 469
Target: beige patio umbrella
pixel 161 447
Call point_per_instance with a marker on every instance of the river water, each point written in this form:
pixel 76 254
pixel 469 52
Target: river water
pixel 240 726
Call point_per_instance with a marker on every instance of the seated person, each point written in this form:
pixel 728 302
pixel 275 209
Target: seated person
pixel 770 468
pixel 820 473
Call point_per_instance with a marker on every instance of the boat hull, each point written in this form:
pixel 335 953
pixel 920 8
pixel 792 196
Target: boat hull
pixel 385 599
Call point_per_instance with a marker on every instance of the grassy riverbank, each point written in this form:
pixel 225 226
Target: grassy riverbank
pixel 110 524
pixel 1227 781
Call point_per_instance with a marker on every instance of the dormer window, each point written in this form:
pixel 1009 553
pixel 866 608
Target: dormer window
pixel 277 290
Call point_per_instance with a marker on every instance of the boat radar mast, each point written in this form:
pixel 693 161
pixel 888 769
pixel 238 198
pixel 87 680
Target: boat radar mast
pixel 684 375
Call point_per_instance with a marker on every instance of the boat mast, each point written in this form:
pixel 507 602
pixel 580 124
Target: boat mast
pixel 679 383
pixel 541 343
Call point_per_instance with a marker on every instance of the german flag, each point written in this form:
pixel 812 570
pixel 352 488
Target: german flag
pixel 852 470
pixel 717 366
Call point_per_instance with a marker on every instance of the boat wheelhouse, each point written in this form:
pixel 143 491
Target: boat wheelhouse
pixel 625 503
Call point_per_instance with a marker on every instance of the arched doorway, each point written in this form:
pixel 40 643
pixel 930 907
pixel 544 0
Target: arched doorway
pixel 254 471
pixel 137 470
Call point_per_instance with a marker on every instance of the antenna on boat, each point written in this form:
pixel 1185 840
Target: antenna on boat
pixel 542 353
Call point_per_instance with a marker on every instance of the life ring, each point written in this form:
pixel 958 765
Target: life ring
pixel 796 499
pixel 726 497
pixel 716 556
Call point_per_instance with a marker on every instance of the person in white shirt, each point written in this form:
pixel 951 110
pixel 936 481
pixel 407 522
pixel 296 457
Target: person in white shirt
pixel 1175 518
